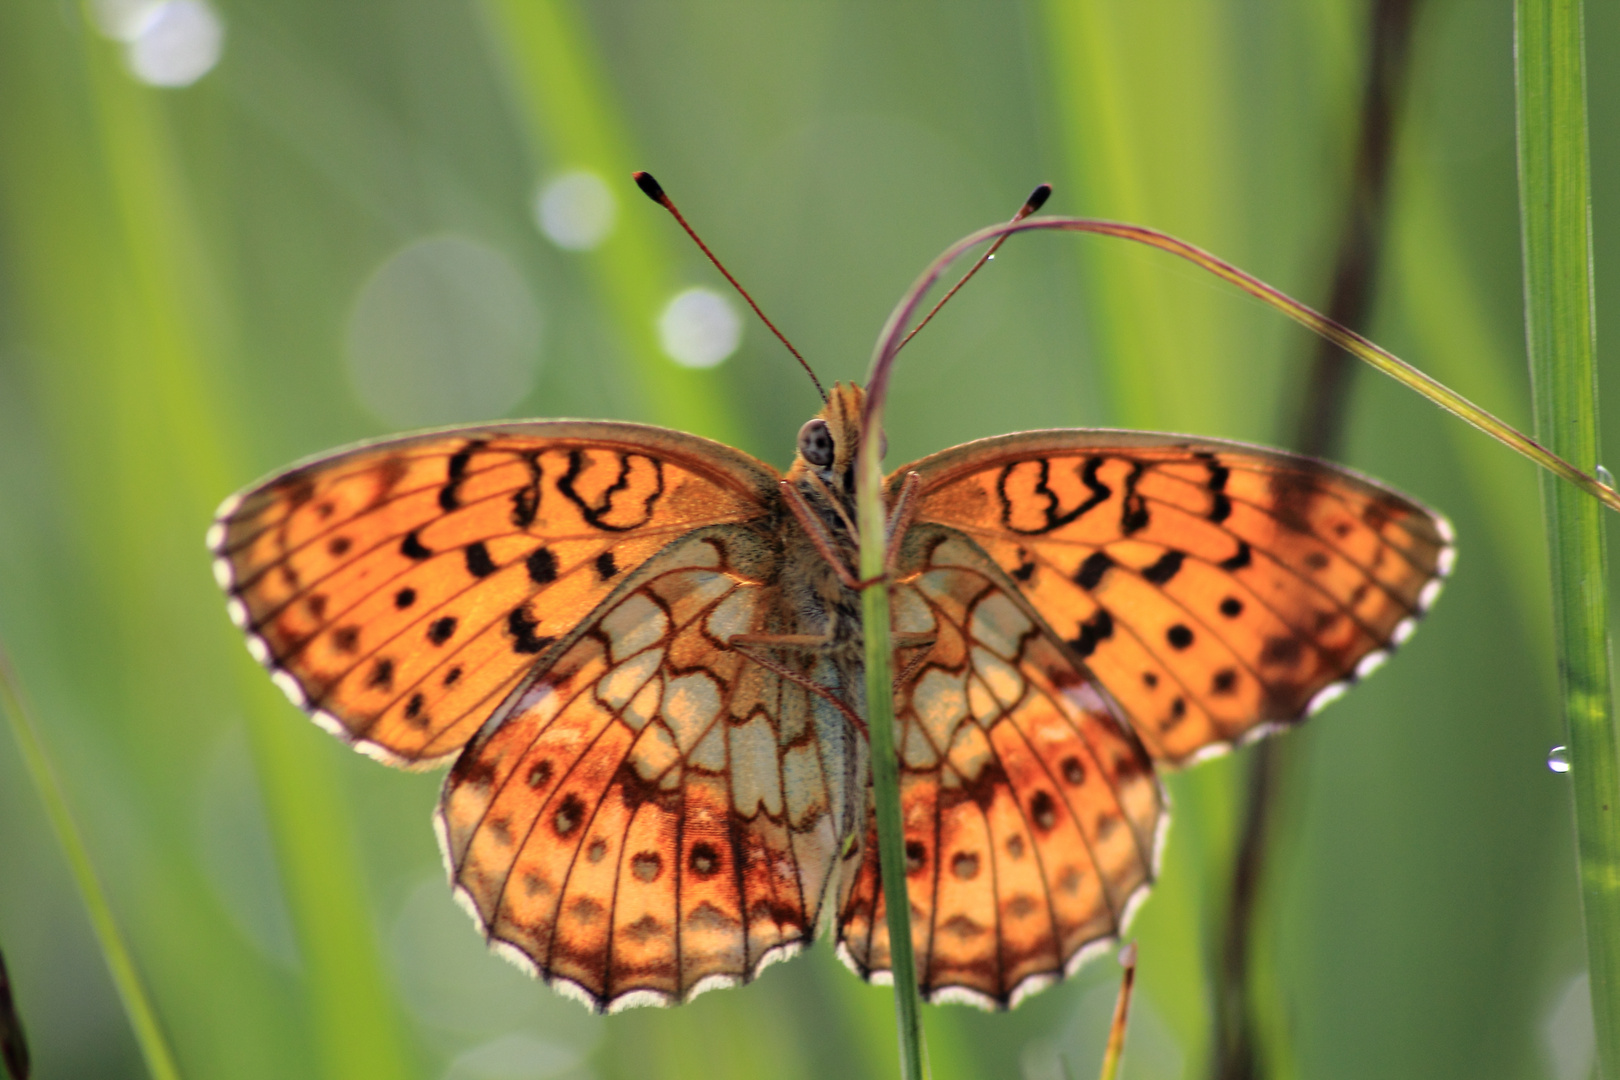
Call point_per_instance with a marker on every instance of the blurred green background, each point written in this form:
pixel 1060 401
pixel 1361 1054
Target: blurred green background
pixel 336 231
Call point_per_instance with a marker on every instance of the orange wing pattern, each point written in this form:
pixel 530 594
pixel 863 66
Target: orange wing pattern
pixel 1032 816
pixel 658 816
pixel 1214 589
pixel 401 591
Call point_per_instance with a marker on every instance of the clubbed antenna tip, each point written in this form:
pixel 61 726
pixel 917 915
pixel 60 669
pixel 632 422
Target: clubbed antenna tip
pixel 655 191
pixel 1036 200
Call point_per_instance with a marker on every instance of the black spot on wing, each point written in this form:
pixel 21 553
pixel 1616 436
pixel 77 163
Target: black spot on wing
pixel 526 499
pixel 521 625
pixel 542 566
pixel 449 495
pixel 479 563
pixel 1168 566
pixel 1092 570
pixel 1239 560
pixel 605 566
pixel 413 548
pixel 1098 628
pixel 1133 514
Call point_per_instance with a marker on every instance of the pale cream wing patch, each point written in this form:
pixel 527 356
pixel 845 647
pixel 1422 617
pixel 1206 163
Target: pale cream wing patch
pixel 657 815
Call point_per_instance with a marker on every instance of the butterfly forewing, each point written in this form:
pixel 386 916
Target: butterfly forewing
pixel 658 815
pixel 402 591
pixel 1211 588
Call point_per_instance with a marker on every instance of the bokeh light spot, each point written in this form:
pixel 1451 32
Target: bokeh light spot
pixel 124 20
pixel 576 210
pixel 699 328
pixel 174 43
pixel 445 331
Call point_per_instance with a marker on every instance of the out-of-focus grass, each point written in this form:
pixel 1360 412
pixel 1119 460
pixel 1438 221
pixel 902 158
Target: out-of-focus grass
pixel 176 272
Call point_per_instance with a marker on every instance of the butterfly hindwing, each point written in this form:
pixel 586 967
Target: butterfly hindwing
pixel 657 815
pixel 401 591
pixel 1212 588
pixel 1032 817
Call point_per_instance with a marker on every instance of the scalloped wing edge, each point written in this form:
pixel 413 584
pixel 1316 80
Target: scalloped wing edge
pixel 640 997
pixel 1041 980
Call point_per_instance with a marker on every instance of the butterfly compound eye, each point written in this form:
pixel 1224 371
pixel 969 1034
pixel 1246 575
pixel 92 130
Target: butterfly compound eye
pixel 816 443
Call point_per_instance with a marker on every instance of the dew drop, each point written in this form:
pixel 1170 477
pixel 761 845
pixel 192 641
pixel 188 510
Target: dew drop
pixel 990 258
pixel 1605 477
pixel 1558 759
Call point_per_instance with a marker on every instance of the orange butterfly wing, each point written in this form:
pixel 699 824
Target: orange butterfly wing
pixel 1214 589
pixel 1032 816
pixel 401 591
pixel 658 815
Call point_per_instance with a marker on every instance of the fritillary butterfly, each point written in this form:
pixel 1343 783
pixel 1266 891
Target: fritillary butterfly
pixel 638 650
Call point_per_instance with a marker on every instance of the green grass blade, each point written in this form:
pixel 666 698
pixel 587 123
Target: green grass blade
pixel 1555 214
pixel 885 760
pixel 160 1061
pixel 886 782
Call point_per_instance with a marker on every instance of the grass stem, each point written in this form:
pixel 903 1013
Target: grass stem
pixel 1555 217
pixel 160 1061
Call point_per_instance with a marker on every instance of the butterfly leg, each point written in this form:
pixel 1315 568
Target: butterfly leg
pixel 746 643
pixel 925 642
pixel 811 642
pixel 900 518
pixel 816 530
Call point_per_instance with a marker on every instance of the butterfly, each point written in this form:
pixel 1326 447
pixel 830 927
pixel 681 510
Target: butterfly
pixel 642 652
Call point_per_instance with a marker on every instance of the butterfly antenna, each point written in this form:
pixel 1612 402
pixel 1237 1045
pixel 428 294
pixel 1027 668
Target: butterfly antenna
pixel 1036 200
pixel 655 191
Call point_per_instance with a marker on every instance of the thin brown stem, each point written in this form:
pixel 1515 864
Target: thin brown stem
pixel 1318 429
pixel 1036 200
pixel 1122 1011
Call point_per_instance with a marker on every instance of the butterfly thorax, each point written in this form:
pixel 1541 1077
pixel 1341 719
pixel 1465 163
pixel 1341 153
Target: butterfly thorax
pixel 823 478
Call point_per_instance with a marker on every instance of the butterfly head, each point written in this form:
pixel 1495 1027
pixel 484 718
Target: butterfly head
pixel 829 442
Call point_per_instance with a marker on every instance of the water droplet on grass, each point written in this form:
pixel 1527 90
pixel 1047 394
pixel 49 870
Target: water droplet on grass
pixel 1558 759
